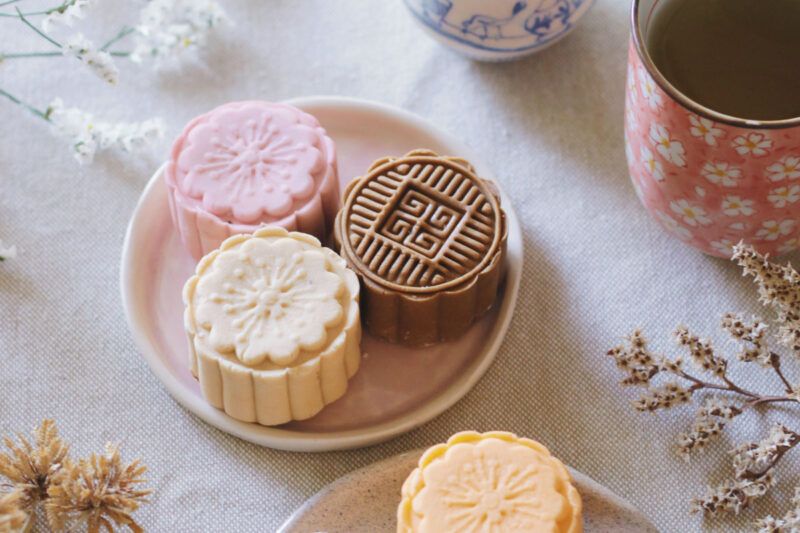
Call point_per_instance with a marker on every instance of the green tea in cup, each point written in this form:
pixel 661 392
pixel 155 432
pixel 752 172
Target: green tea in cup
pixel 737 57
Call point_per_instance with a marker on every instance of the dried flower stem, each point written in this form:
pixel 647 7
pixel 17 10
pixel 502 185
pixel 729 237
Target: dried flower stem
pixel 22 16
pixel 753 476
pixel 775 359
pixel 25 21
pixel 37 112
pixel 753 463
pixel 729 386
pixel 60 7
pixel 124 32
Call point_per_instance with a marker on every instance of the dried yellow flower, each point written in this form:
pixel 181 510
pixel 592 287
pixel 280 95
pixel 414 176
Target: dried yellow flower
pixel 97 491
pixel 12 517
pixel 29 468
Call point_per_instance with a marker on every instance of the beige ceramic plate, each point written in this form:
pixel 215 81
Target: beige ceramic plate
pixel 396 388
pixel 365 501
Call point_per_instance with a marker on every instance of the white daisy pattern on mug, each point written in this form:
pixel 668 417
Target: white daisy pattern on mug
pixel 735 206
pixel 718 181
pixel 787 168
pixel 651 164
pixel 670 149
pixel 754 144
pixel 772 229
pixel 672 226
pixel 691 214
pixel 628 149
pixel 630 118
pixel 637 188
pixel 789 246
pixel 723 246
pixel 722 173
pixel 737 226
pixel 648 88
pixel 704 129
pixel 782 196
pixel 632 93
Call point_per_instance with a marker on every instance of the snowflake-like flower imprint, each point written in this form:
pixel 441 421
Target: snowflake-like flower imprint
pixel 251 166
pixel 269 301
pixel 487 491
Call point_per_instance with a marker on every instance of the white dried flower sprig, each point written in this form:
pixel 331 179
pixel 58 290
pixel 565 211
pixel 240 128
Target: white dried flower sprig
pixel 753 463
pixel 790 523
pixel 708 424
pixel 733 495
pixel 88 135
pixel 101 63
pixel 66 14
pixel 778 287
pixel 170 28
pixel 7 251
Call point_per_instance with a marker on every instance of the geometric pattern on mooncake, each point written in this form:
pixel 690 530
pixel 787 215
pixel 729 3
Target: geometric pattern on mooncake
pixel 422 223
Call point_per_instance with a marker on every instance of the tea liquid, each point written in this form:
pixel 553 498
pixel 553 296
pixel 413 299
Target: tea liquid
pixel 738 57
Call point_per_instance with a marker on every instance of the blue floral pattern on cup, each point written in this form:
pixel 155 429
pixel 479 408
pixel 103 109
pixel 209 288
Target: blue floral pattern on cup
pixel 512 28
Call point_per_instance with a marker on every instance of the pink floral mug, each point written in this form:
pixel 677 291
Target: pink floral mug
pixel 709 179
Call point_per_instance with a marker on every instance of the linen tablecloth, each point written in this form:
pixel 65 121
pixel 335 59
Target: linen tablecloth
pixel 596 264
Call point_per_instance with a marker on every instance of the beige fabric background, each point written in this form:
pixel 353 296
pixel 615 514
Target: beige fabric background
pixel 596 265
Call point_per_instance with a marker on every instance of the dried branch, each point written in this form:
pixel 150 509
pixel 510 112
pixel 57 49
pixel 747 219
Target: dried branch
pixel 753 463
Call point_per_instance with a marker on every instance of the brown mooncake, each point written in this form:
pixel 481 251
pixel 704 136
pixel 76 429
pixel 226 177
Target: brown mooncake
pixel 427 238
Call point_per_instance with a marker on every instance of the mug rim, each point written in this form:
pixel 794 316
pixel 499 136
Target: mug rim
pixel 685 101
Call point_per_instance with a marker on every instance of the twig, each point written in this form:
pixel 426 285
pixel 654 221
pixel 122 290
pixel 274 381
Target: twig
pixel 753 476
pixel 770 399
pixel 29 107
pixel 124 32
pixel 775 359
pixel 34 28
pixel 30 54
pixel 51 54
pixel 729 386
pixel 60 8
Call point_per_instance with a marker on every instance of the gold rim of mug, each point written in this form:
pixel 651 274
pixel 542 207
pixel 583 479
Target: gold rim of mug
pixel 685 101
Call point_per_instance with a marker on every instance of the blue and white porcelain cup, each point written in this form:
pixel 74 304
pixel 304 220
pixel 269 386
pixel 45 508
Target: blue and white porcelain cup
pixel 497 30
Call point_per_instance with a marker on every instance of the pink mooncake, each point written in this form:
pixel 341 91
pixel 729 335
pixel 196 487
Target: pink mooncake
pixel 245 165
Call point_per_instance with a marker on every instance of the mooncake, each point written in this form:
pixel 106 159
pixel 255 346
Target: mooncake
pixel 273 326
pixel 245 165
pixel 427 238
pixel 496 481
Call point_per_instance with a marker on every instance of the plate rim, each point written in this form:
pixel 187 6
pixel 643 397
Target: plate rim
pixel 293 440
pixel 577 476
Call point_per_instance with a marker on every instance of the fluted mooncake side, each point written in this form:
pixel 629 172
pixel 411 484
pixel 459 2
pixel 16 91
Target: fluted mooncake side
pixel 245 165
pixel 274 326
pixel 427 238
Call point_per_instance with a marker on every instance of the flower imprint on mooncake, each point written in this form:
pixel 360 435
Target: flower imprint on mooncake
pixel 268 157
pixel 490 492
pixel 269 300
pixel 489 483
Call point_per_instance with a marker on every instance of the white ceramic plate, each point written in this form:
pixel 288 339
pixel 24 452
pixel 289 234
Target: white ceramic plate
pixel 397 388
pixel 365 501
